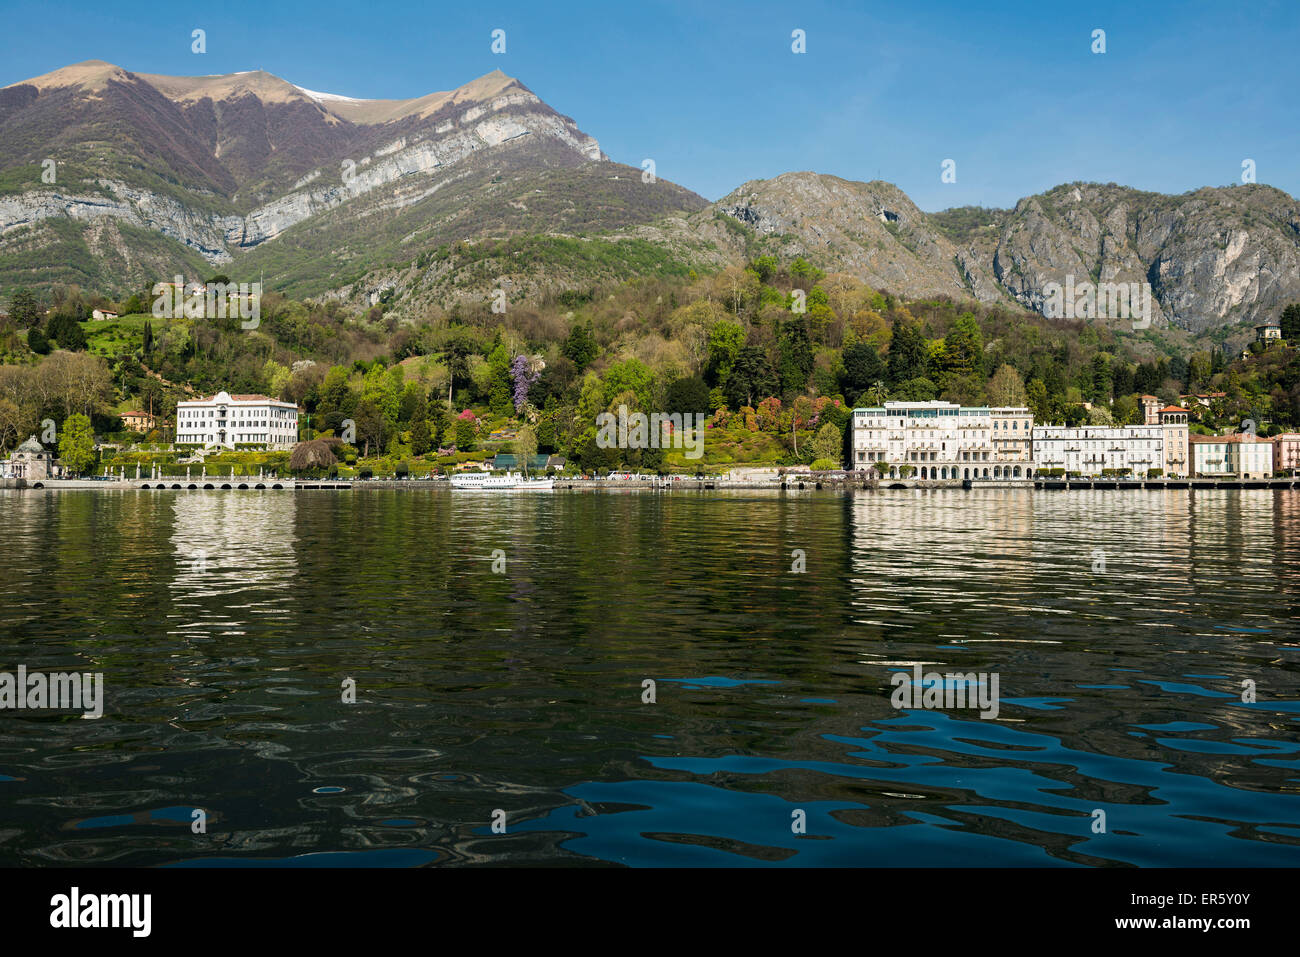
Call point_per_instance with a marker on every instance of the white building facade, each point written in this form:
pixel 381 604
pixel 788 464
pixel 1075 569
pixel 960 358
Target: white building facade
pixel 229 421
pixel 943 440
pixel 1099 450
pixel 1232 456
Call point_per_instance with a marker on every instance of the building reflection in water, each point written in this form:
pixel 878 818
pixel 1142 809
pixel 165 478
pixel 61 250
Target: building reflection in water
pixel 233 560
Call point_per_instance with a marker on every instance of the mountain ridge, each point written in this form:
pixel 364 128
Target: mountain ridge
pixel 320 191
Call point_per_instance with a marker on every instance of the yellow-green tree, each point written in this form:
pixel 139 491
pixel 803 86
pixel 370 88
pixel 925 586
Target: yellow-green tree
pixel 77 444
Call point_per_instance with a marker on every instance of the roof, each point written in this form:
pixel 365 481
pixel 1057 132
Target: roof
pixel 505 460
pixel 31 445
pixel 237 398
pixel 1173 408
pixel 1220 439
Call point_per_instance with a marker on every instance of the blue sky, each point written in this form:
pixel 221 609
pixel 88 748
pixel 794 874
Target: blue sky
pixel 1008 90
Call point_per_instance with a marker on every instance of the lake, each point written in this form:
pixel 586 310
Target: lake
pixel 501 646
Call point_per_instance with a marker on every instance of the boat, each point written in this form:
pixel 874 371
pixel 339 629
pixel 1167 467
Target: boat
pixel 509 482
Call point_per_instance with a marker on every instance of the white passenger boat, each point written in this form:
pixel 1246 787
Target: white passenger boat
pixel 509 482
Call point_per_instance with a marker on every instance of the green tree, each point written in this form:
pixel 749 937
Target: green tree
pixel 908 353
pixel 863 368
pixel 688 395
pixel 464 435
pixel 77 444
pixel 963 348
pixel 827 442
pixel 751 378
pixel 1007 388
pixel 1291 325
pixel 421 440
pixel 580 346
pixel 765 267
pixel 24 308
pixel 372 426
pixel 525 446
pixel 795 356
pixel 726 339
pixel 67 331
pixel 37 341
pixel 500 388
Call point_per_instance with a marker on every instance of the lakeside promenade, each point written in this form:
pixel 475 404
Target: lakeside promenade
pixel 795 482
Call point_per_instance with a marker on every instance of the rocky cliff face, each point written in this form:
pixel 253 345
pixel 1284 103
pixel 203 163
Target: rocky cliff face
pixel 247 157
pixel 1213 257
pixel 317 192
pixel 871 230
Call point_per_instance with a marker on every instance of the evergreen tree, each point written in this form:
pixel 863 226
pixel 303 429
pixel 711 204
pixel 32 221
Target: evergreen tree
pixel 1291 324
pixel 796 356
pixel 908 353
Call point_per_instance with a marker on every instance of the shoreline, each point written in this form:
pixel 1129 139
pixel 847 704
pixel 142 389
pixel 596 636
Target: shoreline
pixel 801 484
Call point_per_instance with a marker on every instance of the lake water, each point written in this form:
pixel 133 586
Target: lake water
pixel 1120 627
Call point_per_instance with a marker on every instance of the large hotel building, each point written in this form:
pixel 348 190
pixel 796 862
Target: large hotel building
pixel 942 440
pixel 234 420
pixel 1160 446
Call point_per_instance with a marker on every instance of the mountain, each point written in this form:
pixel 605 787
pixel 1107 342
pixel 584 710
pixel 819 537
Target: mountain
pixel 453 194
pixel 218 167
pixel 871 230
pixel 1214 257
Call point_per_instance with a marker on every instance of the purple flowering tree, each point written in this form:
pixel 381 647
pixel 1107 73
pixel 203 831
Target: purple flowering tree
pixel 524 373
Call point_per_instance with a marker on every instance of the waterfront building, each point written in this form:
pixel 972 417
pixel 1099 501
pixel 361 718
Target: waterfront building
pixel 229 421
pixel 1099 450
pixel 31 461
pixel 1286 452
pixel 943 440
pixel 1159 445
pixel 1241 456
pixel 1178 448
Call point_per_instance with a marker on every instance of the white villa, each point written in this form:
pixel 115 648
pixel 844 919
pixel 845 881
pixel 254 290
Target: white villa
pixel 943 440
pixel 233 420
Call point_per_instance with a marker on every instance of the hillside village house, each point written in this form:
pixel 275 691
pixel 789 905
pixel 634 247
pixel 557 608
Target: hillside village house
pixel 1266 334
pixel 99 314
pixel 228 421
pixel 1240 456
pixel 139 421
pixel 942 440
